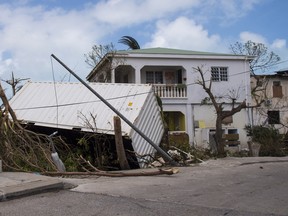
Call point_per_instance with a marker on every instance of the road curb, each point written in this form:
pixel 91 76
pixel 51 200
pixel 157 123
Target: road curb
pixel 29 188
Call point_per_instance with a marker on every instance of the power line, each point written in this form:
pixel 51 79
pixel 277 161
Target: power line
pixel 79 103
pixel 115 98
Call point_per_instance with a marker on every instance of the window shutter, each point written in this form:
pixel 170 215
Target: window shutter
pixel 277 91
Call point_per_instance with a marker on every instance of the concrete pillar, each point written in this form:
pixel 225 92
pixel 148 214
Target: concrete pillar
pixel 113 75
pixel 138 73
pixel 190 123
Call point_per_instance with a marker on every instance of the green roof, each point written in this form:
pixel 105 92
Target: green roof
pixel 167 51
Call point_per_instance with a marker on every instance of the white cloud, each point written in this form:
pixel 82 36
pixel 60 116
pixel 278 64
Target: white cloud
pixel 31 34
pixel 4 65
pixel 237 8
pixel 279 44
pixel 225 12
pixel 123 12
pixel 246 36
pixel 184 33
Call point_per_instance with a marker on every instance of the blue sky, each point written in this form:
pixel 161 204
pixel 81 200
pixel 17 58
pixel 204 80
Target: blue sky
pixel 31 30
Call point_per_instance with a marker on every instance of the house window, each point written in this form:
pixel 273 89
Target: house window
pixel 154 77
pixel 273 117
pixel 277 89
pixel 219 73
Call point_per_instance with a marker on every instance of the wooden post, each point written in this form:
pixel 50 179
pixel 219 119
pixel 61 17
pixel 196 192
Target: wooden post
pixel 119 144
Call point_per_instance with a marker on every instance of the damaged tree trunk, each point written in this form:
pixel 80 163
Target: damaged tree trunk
pixel 219 136
pixel 124 165
pixel 169 171
pixel 8 109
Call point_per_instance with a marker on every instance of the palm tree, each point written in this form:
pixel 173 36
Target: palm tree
pixel 130 42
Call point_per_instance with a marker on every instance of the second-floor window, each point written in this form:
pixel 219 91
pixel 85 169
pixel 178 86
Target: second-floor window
pixel 154 77
pixel 277 89
pixel 219 73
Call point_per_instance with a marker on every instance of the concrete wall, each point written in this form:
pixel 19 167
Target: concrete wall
pixel 238 85
pixel 272 103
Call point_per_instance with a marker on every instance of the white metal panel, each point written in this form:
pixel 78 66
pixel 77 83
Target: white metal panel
pixel 72 105
pixel 37 102
pixel 151 125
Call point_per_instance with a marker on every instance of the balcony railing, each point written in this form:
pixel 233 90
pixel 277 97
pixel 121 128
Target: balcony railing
pixel 171 90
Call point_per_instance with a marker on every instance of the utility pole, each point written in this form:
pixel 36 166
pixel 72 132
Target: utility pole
pixel 165 156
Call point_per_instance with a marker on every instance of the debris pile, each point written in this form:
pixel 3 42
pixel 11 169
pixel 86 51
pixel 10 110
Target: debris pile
pixel 21 149
pixel 183 158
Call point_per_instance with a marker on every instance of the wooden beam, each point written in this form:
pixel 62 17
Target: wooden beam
pixel 119 144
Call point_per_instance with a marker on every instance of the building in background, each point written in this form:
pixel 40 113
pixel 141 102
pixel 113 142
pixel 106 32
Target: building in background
pixel 187 109
pixel 274 111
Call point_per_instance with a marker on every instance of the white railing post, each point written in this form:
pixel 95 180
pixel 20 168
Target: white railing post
pixel 170 91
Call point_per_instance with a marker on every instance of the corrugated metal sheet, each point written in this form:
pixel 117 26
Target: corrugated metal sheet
pixel 72 105
pixel 149 116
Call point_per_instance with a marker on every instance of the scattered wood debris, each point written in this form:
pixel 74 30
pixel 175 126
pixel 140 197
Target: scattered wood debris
pixel 91 170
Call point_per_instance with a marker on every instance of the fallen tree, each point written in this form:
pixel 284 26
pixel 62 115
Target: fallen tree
pixel 91 170
pixel 24 150
pixel 170 171
pixel 21 149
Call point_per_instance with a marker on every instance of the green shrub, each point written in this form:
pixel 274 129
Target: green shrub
pixel 271 141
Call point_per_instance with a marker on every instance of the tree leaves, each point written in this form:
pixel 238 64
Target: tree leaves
pixel 130 42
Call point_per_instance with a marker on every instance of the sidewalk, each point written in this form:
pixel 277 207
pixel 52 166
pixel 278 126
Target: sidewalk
pixel 17 184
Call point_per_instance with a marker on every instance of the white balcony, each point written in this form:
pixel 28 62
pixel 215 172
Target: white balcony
pixel 171 90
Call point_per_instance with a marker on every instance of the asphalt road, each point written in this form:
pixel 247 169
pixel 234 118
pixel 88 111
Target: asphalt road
pixel 221 187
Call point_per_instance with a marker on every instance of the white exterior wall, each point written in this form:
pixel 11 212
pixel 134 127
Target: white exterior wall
pixel 206 114
pixel 238 80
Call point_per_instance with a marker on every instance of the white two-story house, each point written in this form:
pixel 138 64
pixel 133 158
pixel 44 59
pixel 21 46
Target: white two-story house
pixel 186 105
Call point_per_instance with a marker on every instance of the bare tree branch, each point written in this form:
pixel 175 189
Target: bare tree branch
pixel 218 106
pixel 263 60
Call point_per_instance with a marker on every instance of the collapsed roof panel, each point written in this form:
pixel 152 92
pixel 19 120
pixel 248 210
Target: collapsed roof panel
pixel 71 105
